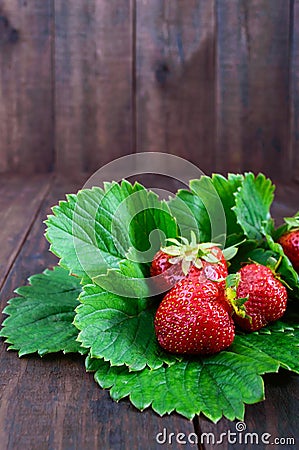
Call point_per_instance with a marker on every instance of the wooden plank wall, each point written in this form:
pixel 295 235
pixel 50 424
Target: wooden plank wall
pixel 93 88
pixel 26 86
pixel 214 81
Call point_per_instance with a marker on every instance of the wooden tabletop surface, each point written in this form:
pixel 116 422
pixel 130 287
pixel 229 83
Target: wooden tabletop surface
pixel 52 403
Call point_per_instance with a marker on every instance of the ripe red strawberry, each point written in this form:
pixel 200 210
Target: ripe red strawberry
pixel 266 297
pixel 171 273
pixel 290 244
pixel 177 261
pixel 192 319
pixel 213 271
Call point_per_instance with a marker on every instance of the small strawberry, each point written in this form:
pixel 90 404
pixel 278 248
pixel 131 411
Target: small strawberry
pixel 290 241
pixel 258 297
pixel 183 258
pixel 190 319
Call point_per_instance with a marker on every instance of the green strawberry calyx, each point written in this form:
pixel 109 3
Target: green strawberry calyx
pixel 190 253
pixel 232 282
pixel 292 222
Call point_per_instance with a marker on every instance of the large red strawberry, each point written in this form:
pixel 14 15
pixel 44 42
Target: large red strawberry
pixel 263 296
pixel 193 319
pixel 290 244
pixel 176 261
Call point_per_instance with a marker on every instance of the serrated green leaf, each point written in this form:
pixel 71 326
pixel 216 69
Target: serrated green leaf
pixel 40 319
pixel 96 229
pixel 129 280
pixel 206 209
pixel 278 341
pixel 119 329
pixel 226 187
pixel 215 386
pixel 205 190
pixel 249 254
pixel 191 214
pixel 108 237
pixel 253 201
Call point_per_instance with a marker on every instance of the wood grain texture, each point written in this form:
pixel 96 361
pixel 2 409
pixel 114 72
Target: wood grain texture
pixel 214 82
pixel 285 203
pixel 93 73
pixel 20 200
pixel 52 403
pixel 253 85
pixel 175 75
pixel 26 116
pixel 294 90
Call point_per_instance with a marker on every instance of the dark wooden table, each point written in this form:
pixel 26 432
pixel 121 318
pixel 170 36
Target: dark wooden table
pixel 52 403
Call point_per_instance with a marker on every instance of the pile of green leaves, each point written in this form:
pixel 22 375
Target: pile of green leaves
pixel 76 307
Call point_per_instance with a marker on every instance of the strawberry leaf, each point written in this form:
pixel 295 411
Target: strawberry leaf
pixel 215 386
pixel 278 341
pixel 292 222
pixel 96 229
pixel 205 190
pixel 207 209
pixel 40 319
pixel 107 238
pixel 119 329
pixel 128 281
pixel 253 201
pixel 226 187
pixel 191 215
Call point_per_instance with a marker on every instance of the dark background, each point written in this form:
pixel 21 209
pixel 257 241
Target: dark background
pixel 85 81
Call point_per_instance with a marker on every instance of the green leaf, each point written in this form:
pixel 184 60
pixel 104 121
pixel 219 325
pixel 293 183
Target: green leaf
pixel 245 255
pixel 278 341
pixel 249 254
pixel 292 222
pixel 191 214
pixel 207 209
pixel 205 190
pixel 98 228
pixel 129 281
pixel 230 252
pixel 226 188
pixel 215 386
pixel 108 237
pixel 119 329
pixel 40 319
pixel 253 202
